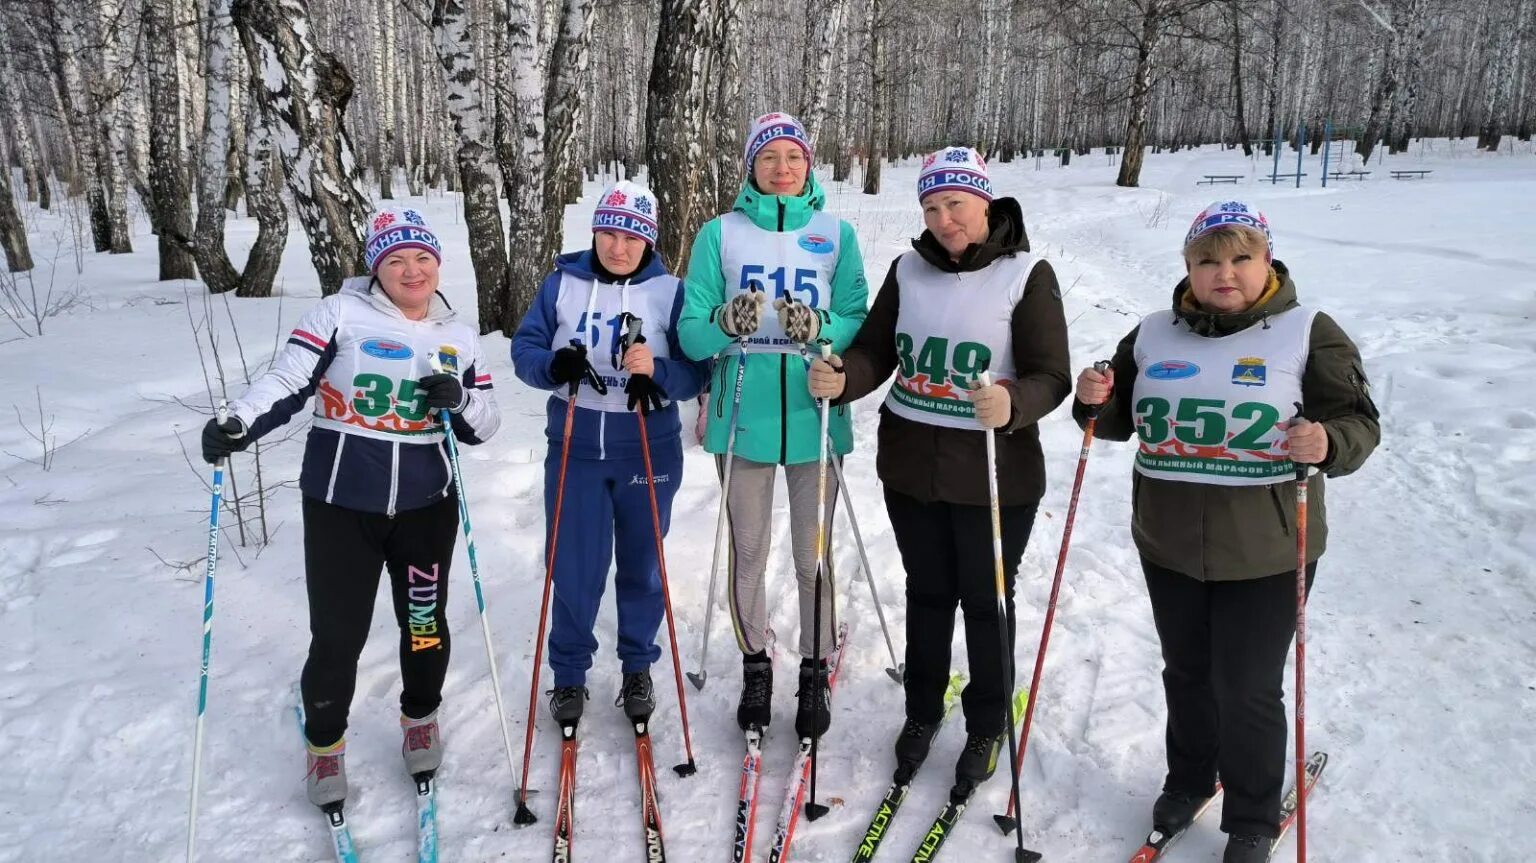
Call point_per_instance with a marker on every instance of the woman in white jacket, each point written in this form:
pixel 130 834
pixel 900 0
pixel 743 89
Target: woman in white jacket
pixel 377 484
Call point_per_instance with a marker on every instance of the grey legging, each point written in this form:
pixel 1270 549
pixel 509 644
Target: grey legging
pixel 750 517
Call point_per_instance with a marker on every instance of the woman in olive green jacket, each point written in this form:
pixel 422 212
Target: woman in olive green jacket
pixel 1210 389
pixel 776 247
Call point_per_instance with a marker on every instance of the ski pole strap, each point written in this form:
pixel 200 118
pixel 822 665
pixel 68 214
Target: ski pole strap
pixel 633 335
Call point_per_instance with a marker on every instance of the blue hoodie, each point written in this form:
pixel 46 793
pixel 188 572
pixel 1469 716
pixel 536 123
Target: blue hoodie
pixel 598 434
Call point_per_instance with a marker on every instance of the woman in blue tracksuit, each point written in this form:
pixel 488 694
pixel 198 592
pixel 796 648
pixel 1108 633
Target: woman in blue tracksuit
pixel 574 332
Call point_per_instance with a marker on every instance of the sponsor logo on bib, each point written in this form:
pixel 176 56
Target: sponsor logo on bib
pixel 386 349
pixel 816 244
pixel 1172 370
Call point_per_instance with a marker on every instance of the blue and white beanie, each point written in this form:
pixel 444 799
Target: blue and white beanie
pixel 771 127
pixel 1230 214
pixel 394 228
pixel 628 208
pixel 954 169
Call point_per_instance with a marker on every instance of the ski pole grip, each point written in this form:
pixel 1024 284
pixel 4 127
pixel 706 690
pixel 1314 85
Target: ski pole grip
pixel 222 412
pixel 826 351
pixel 1302 470
pixel 984 378
pixel 437 363
pixel 1102 367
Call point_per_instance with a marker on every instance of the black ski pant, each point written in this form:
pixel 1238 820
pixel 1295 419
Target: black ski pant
pixel 344 551
pixel 1225 645
pixel 946 549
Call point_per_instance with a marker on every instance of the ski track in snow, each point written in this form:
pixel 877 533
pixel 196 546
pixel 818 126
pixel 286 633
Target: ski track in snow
pixel 1422 654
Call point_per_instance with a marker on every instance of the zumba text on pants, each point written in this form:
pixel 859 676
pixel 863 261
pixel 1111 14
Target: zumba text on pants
pixel 422 608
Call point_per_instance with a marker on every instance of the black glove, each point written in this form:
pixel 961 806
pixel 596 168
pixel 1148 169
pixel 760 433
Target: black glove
pixel 221 439
pixel 644 392
pixel 570 364
pixel 443 390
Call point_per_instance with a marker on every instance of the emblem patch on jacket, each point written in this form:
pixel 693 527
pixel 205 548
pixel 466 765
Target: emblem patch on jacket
pixel 1249 372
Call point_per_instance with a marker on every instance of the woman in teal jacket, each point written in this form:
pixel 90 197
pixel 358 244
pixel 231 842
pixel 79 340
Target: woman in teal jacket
pixel 776 244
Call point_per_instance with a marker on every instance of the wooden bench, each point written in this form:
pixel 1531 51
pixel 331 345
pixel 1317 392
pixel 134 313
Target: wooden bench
pixel 1213 179
pixel 1348 175
pixel 1276 177
pixel 1411 175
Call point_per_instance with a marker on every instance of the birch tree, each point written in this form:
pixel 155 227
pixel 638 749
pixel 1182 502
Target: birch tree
pixel 523 171
pixel 825 22
pixel 306 91
pixel 477 167
pixel 567 89
pixel 169 203
pixel 79 107
pixel 726 115
pixel 879 111
pixel 676 108
pixel 13 233
pixel 222 105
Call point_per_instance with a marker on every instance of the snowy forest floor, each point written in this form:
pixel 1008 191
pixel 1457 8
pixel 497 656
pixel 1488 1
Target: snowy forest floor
pixel 1422 659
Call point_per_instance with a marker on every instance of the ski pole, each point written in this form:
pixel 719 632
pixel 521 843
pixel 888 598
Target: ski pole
pixel 699 679
pixel 688 768
pixel 524 815
pixel 814 810
pixel 1008 822
pixel 1020 855
pixel 474 567
pixel 897 669
pixel 202 683
pixel 1301 658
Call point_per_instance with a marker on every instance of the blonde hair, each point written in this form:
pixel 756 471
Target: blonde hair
pixel 1226 241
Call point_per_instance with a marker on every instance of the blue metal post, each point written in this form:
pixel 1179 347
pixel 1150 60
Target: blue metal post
pixel 1274 136
pixel 1327 146
pixel 1301 149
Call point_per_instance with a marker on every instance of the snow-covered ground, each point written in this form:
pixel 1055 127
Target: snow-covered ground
pixel 1422 660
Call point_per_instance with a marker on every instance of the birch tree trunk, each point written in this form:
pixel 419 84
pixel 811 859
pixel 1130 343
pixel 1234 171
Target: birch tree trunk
pixel 31 167
pixel 1237 82
pixel 1507 63
pixel 567 89
pixel 264 200
pixel 1276 72
pixel 106 89
pixel 167 176
pixel 477 168
pixel 236 77
pixel 212 177
pixel 78 108
pixel 1401 131
pixel 725 126
pixel 818 82
pixel 1141 92
pixel 838 132
pixel 523 170
pixel 13 233
pixel 307 92
pixel 677 105
pixel 1002 56
pixel 879 100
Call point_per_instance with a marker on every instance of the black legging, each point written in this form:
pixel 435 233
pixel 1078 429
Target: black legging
pixel 1224 649
pixel 946 549
pixel 344 552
